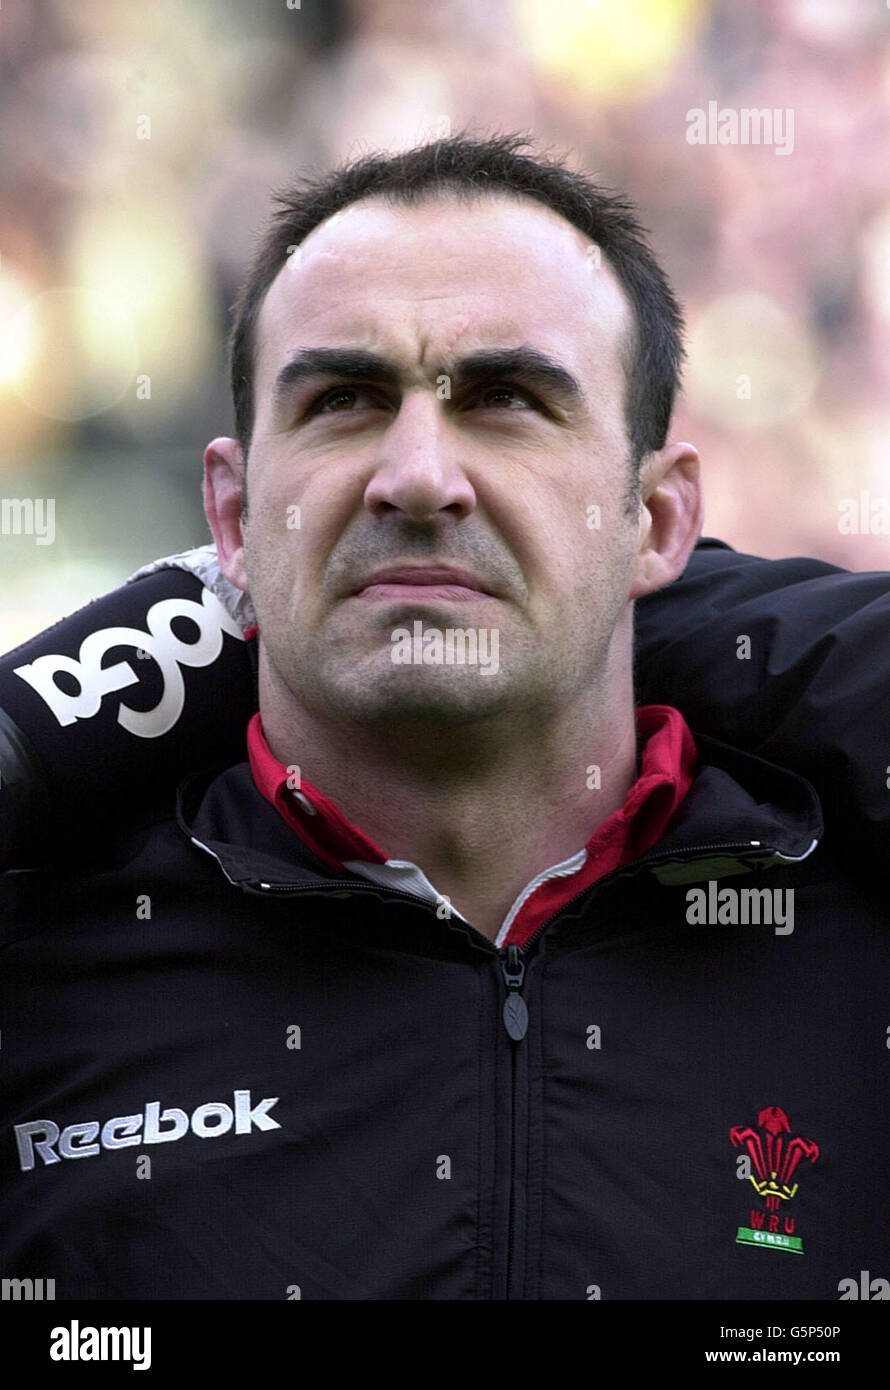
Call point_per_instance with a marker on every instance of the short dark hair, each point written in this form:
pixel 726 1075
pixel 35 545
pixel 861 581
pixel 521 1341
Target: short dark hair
pixel 468 166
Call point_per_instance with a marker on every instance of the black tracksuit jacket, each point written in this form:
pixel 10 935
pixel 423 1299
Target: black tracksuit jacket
pixel 314 1092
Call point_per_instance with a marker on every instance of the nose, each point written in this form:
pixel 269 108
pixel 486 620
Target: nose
pixel 418 470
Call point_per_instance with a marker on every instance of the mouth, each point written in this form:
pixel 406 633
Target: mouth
pixel 422 583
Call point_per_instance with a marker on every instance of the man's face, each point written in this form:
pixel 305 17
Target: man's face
pixel 442 461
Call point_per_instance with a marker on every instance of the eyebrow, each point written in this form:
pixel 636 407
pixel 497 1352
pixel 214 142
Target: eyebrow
pixel 525 364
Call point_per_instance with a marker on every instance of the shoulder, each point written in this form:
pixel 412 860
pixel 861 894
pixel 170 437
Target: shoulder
pixel 92 885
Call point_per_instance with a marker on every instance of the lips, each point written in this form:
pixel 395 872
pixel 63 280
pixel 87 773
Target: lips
pixel 404 580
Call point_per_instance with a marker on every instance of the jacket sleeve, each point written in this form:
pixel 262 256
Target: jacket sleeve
pixel 789 659
pixel 104 714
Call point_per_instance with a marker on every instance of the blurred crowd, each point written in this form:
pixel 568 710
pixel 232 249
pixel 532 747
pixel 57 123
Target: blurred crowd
pixel 141 142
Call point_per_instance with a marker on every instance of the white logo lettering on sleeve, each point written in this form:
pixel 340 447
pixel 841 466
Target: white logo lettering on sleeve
pixel 159 643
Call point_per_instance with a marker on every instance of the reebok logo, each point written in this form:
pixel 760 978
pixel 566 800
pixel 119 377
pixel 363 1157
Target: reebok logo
pixel 151 1126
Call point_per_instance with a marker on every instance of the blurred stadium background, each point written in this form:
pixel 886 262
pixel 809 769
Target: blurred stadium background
pixel 140 142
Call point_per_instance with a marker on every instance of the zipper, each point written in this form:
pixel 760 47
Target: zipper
pixel 515 1012
pixel 515 1016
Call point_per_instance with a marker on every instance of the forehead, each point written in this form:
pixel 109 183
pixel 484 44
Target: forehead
pixel 426 282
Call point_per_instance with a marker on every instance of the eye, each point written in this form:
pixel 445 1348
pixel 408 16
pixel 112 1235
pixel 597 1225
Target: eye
pixel 488 394
pixel 339 398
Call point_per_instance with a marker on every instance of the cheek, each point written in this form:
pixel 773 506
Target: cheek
pixel 603 558
pixel 311 503
pixel 272 557
pixel 287 545
pixel 585 536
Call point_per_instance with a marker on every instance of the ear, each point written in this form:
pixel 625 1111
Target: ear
pixel 223 485
pixel 671 516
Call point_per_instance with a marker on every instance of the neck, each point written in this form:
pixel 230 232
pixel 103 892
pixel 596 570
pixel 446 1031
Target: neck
pixel 481 809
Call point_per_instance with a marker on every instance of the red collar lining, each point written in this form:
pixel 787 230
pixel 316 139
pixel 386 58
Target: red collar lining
pixel 667 767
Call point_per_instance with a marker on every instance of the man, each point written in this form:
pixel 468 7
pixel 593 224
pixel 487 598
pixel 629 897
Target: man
pixel 474 981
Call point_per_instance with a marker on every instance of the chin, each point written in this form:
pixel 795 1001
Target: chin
pixel 435 696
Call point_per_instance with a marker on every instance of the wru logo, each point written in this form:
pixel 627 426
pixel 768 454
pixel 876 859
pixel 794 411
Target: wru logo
pixel 159 643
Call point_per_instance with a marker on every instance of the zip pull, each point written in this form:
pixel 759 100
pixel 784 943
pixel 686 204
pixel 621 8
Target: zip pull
pixel 515 1011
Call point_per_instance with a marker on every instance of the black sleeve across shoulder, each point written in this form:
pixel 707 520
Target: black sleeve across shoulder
pixel 103 714
pixel 789 659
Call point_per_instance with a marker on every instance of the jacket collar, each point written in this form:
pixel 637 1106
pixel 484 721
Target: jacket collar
pixel 667 767
pixel 741 812
pixel 667 761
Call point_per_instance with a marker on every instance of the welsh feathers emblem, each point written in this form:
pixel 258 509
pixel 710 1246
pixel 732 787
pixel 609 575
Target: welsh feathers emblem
pixel 775 1159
